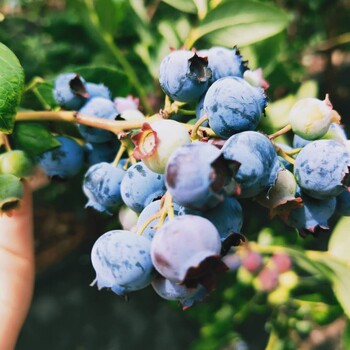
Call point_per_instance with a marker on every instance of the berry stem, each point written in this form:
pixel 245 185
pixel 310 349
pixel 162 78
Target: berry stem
pixel 284 155
pixel 195 128
pixel 280 132
pixel 5 141
pixel 147 222
pixel 186 112
pixel 115 126
pixel 119 154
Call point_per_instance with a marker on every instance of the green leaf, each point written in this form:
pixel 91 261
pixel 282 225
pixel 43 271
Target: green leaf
pixel 33 138
pixel 110 76
pixel 340 277
pixel 11 87
pixel 110 13
pixel 340 240
pixel 240 23
pixel 182 5
pixel 202 8
pixel 11 191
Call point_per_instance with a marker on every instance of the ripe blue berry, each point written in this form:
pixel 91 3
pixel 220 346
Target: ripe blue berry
pixel 227 216
pixel 321 168
pixel 196 177
pixel 140 186
pixel 186 249
pixel 184 76
pixel 150 210
pixel 259 164
pixel 102 186
pixel 122 261
pixel 173 291
pixel 225 62
pixel 102 108
pixel 70 91
pixel 64 161
pixel 313 216
pixel 98 90
pixel 233 105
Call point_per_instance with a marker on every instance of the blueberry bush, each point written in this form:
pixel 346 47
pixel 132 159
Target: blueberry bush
pixel 207 143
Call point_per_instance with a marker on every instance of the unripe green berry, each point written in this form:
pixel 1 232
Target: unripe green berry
pixel 11 192
pixel 310 118
pixel 16 163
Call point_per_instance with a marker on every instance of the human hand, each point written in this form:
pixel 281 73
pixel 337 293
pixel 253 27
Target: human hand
pixel 16 270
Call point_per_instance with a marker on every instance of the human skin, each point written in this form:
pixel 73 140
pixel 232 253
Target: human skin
pixel 16 270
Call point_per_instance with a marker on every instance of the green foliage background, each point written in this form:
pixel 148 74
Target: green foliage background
pixel 302 47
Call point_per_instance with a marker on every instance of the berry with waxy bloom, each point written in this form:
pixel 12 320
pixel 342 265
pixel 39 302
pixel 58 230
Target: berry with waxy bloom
pixel 102 186
pixel 184 76
pixel 233 105
pixel 122 261
pixel 259 164
pixel 322 168
pixel 186 249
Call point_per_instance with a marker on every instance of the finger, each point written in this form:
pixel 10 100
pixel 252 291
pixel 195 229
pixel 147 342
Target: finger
pixel 16 270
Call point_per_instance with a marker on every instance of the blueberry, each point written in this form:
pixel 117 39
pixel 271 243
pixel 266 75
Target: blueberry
pixel 186 249
pixel 140 186
pixel 225 62
pixel 102 186
pixel 184 76
pixel 313 216
pixel 101 152
pixel 70 91
pixel 227 216
pixel 233 105
pixel 64 161
pixel 98 90
pixel 150 210
pixel 122 261
pixel 102 108
pixel 343 204
pixel 259 164
pixel 321 168
pixel 173 291
pixel 197 177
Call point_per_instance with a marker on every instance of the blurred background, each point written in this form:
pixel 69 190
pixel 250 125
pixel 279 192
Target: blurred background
pixel 303 49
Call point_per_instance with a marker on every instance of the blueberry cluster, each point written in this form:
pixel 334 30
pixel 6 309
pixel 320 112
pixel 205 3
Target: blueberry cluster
pixel 187 190
pixel 184 183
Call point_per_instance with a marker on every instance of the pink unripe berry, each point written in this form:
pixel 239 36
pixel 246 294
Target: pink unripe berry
pixel 252 261
pixel 282 262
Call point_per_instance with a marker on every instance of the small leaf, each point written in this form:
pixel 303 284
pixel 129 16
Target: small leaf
pixel 11 192
pixel 110 76
pixel 34 138
pixel 182 5
pixel 340 240
pixel 11 87
pixel 240 23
